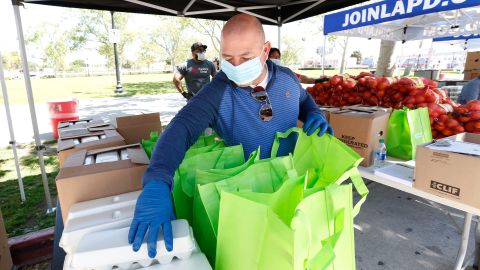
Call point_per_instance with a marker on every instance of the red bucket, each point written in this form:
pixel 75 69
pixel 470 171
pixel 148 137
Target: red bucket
pixel 62 110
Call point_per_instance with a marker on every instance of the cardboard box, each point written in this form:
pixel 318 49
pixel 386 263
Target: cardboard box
pixel 5 256
pixel 77 182
pixel 81 126
pixel 471 74
pixel 360 129
pixel 134 128
pixel 473 61
pixel 450 175
pixel 68 145
pixel 327 109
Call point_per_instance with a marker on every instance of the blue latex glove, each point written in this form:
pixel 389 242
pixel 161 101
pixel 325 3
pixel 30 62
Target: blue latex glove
pixel 154 209
pixel 316 121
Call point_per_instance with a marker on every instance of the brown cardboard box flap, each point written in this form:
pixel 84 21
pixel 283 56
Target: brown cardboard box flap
pixel 137 120
pixel 64 144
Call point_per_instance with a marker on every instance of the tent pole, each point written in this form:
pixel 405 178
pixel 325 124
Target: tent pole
pixel 279 38
pixel 31 103
pixel 323 54
pixel 10 129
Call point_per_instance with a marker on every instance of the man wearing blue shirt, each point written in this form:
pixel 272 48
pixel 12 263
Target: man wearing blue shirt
pixel 246 103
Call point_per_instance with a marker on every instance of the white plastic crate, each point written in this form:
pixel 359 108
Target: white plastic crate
pixel 106 249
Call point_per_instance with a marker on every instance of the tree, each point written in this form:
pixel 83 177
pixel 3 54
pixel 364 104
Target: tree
pixel 78 65
pixel 169 37
pixel 53 43
pixel 148 53
pixel 291 51
pixel 11 61
pixel 94 26
pixel 358 55
pixel 211 29
pixel 340 44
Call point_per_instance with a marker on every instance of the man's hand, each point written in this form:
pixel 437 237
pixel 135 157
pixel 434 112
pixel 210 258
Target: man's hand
pixel 316 121
pixel 154 209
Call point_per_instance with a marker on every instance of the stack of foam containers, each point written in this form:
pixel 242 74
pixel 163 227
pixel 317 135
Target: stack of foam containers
pixel 95 237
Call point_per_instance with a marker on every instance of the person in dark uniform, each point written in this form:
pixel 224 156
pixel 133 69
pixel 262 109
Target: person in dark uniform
pixel 196 71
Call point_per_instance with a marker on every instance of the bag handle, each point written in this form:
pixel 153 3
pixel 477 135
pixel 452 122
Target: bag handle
pixel 282 135
pixel 361 188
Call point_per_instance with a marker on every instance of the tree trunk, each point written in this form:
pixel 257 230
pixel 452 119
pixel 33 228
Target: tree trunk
pixel 342 64
pixel 385 64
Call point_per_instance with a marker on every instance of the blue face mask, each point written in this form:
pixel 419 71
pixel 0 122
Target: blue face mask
pixel 245 73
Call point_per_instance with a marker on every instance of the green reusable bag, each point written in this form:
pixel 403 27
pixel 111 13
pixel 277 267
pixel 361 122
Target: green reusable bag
pixel 407 129
pixel 285 230
pixel 326 160
pixel 184 179
pixel 204 140
pixel 149 145
pixel 262 176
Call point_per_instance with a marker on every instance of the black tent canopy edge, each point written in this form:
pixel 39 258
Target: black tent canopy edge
pixel 272 12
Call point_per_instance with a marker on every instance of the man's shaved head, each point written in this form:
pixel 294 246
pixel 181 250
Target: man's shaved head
pixel 244 25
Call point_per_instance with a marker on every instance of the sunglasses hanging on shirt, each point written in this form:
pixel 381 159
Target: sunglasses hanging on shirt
pixel 260 94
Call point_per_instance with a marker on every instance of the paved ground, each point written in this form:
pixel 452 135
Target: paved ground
pixel 167 104
pixel 393 231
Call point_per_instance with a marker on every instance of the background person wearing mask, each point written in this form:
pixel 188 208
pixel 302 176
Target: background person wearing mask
pixel 470 91
pixel 246 103
pixel 196 71
pixel 275 56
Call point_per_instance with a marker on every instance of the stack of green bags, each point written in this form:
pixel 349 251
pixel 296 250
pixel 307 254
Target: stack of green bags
pixel 293 212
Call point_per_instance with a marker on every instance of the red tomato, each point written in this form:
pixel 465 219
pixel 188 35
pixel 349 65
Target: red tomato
pixel 409 99
pixel 451 123
pixel 422 105
pixel 447 132
pixel 420 99
pixel 459 129
pixel 438 126
pixel 372 82
pixel 475 115
pixel 335 80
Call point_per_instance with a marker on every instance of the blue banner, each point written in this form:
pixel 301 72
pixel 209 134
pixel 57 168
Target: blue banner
pixel 389 10
pixel 456 38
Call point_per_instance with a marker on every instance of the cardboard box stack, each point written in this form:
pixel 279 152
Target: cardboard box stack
pixel 99 173
pixel 450 170
pixel 5 257
pixel 472 66
pixel 360 128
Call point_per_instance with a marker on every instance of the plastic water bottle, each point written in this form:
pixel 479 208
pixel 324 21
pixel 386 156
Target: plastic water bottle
pixel 380 154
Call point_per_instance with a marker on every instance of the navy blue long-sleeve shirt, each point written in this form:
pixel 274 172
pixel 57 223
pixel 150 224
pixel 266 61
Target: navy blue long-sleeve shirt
pixel 470 91
pixel 234 114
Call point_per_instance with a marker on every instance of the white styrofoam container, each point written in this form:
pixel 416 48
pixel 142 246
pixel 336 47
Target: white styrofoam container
pixel 105 249
pixel 76 141
pixel 197 261
pixel 89 139
pixel 103 136
pixel 124 154
pixel 107 157
pixel 103 204
pixel 75 229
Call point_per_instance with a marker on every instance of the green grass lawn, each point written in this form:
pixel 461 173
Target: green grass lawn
pixel 89 87
pixel 21 218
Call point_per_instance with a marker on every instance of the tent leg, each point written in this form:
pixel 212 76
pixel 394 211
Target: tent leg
pixel 323 55
pixel 31 103
pixel 10 129
pixel 279 38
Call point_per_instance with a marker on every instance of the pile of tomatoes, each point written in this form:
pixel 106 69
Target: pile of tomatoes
pixel 446 117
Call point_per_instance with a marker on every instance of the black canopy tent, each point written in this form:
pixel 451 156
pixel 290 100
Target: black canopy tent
pixel 271 12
